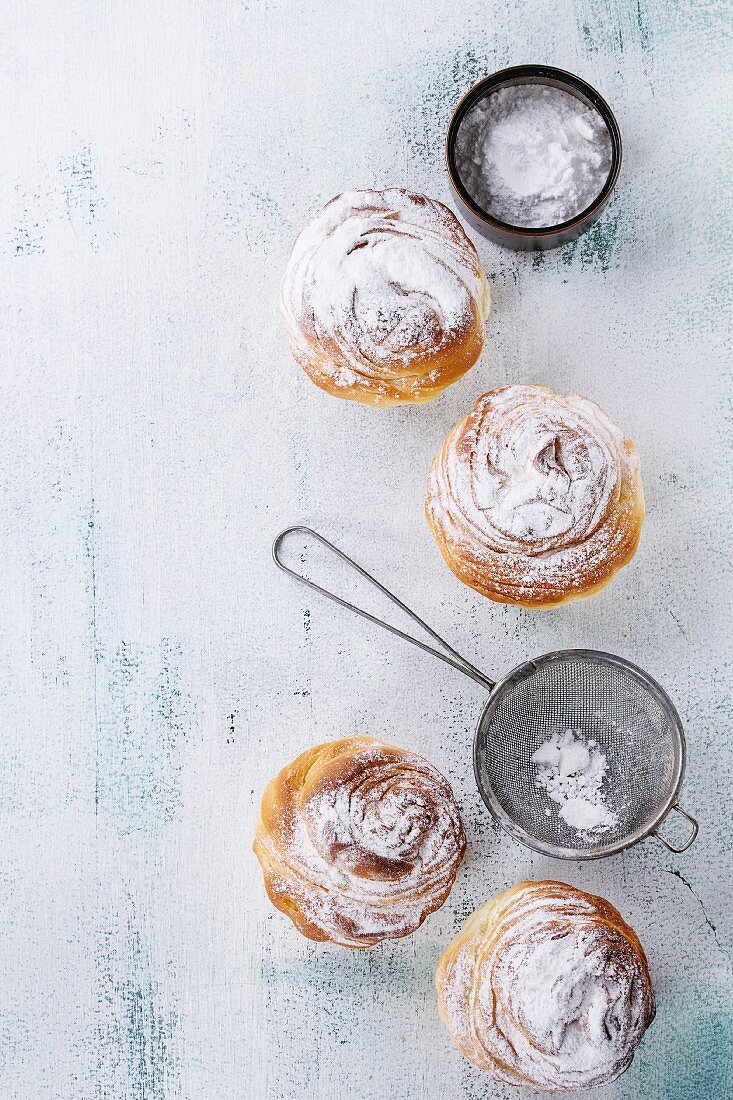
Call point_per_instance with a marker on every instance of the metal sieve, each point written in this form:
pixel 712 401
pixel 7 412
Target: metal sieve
pixel 606 698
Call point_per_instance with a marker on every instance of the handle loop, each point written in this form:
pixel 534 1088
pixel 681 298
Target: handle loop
pixel 450 656
pixel 693 832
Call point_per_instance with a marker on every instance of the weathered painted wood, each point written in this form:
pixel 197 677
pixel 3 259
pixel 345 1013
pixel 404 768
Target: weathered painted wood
pixel 155 670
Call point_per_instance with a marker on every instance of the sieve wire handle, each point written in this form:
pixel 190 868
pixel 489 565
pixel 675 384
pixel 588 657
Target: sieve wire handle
pixel 449 655
pixel 693 831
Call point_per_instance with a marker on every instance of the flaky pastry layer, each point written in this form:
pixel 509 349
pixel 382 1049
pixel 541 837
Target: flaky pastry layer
pixel 546 986
pixel 384 298
pixel 358 841
pixel 536 499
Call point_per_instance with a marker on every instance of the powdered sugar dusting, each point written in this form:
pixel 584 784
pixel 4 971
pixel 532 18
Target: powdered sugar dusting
pixel 373 848
pixel 379 281
pixel 546 986
pixel 531 488
pixel 543 474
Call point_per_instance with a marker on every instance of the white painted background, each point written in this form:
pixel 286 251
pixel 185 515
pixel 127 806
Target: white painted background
pixel 155 670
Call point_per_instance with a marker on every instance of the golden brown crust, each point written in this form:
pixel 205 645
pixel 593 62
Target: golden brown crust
pixel 535 499
pixel 547 986
pixel 384 298
pixel 358 841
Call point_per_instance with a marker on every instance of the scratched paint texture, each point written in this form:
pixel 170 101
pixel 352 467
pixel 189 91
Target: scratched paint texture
pixel 155 670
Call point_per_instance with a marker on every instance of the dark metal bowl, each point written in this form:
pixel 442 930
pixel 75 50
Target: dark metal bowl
pixel 513 236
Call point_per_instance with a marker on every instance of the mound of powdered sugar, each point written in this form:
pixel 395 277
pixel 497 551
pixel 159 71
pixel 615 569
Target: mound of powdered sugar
pixel 572 772
pixel 533 155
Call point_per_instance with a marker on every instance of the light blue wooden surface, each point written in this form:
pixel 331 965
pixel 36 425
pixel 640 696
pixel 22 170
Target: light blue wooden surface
pixel 157 161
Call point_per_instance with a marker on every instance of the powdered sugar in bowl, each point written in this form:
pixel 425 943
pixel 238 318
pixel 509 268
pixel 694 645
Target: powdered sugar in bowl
pixel 533 155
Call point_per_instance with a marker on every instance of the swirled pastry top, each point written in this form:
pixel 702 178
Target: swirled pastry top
pixel 384 297
pixel 358 841
pixel 546 986
pixel 536 498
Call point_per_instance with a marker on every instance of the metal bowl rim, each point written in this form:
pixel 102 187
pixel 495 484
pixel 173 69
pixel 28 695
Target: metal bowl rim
pixel 562 76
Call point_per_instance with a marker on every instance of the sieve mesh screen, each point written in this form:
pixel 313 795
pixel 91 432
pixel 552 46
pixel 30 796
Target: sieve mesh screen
pixel 607 700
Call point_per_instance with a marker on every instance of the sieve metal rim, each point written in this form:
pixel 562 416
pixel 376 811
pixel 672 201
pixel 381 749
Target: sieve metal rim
pixel 508 823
